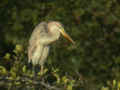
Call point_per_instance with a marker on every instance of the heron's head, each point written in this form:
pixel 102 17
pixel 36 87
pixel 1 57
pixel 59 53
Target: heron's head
pixel 54 25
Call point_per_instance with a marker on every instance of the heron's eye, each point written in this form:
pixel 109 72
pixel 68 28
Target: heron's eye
pixel 59 25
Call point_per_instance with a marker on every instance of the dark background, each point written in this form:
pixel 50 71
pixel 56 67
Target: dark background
pixel 93 63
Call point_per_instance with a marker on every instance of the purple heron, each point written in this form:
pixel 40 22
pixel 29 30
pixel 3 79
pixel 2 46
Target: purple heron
pixel 42 36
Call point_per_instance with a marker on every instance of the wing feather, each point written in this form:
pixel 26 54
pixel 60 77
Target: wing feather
pixel 38 32
pixel 44 55
pixel 35 49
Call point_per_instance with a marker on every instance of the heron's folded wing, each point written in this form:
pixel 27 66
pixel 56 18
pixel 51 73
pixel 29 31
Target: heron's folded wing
pixel 44 55
pixel 38 55
pixel 38 32
pixel 35 53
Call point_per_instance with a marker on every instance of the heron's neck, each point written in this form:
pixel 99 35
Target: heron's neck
pixel 49 37
pixel 54 35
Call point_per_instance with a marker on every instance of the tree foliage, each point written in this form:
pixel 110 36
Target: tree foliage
pixel 92 63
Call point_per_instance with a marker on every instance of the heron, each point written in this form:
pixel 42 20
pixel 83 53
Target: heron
pixel 42 36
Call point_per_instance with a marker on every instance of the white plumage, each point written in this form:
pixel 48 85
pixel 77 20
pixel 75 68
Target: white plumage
pixel 44 34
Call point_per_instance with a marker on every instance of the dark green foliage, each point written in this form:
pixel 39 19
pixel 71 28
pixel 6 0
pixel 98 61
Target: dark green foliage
pixel 92 63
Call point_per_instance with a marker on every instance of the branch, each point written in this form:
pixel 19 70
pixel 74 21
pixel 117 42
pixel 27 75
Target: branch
pixel 6 81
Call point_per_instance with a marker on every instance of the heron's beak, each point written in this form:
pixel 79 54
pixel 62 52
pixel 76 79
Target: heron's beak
pixel 66 35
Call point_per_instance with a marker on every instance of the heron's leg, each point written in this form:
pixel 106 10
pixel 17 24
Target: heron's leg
pixel 34 71
pixel 42 70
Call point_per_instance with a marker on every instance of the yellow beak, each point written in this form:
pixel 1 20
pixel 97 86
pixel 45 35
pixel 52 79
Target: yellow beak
pixel 66 35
